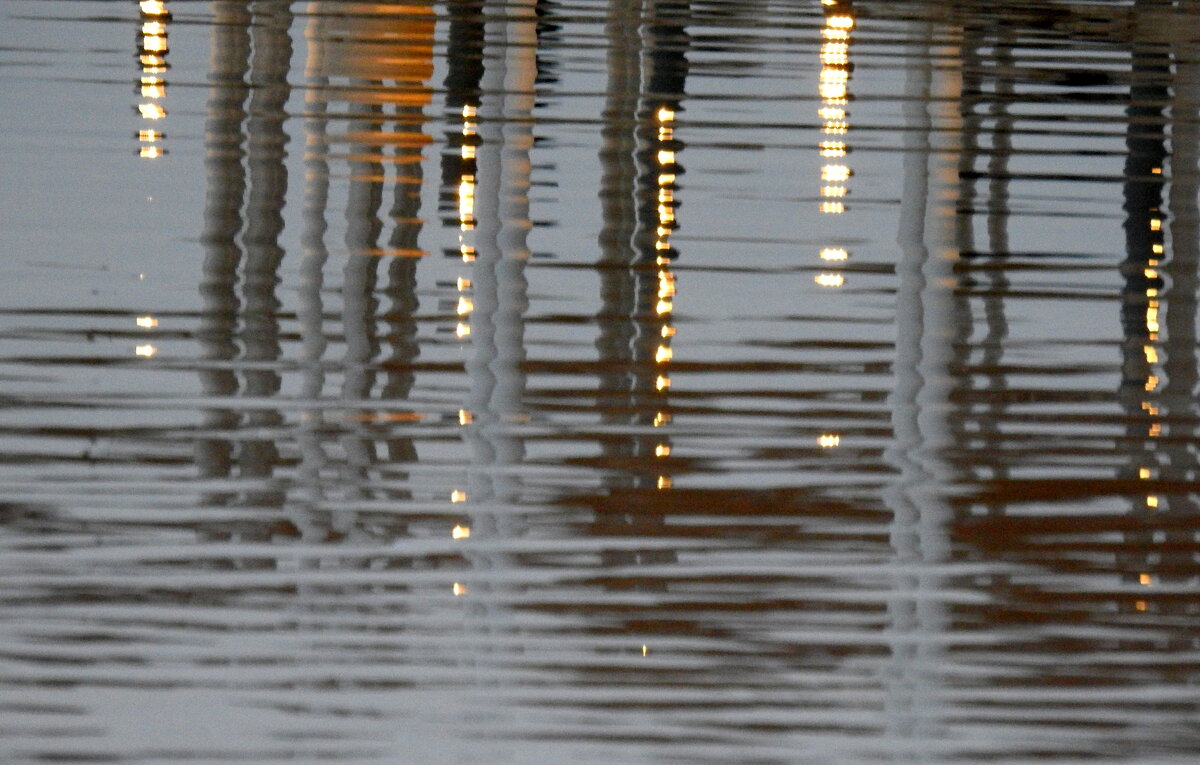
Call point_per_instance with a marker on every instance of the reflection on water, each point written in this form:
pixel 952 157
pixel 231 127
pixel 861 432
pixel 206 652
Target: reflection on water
pixel 629 381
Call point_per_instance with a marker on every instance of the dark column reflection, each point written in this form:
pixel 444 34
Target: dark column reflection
pixel 647 68
pixel 247 184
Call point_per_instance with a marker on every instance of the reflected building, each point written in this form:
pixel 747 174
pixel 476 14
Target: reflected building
pixel 962 410
pixel 368 67
pixel 366 70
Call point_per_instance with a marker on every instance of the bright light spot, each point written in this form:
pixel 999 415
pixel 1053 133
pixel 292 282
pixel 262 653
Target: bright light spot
pixel 465 417
pixel 666 157
pixel 1151 354
pixel 1152 501
pixel 833 208
pixel 832 149
pixel 150 152
pixel 1155 224
pixel 1155 430
pixel 1143 473
pixel 835 192
pixel 662 382
pixel 840 22
pixel 145 351
pixel 468 111
pixel 1151 382
pixel 151 111
pixel 154 43
pixel 147 322
pixel 664 482
pixel 153 7
pixel 462 329
pixel 463 284
pixel 1140 605
pixel 457 496
pixel 459 589
pixel 149 136
pixel 830 280
pixel 644 650
pixel 468 152
pixel 663 354
pixel 664 306
pixel 829 440
pixel 834 253
pixel 1144 579
pixel 835 173
pixel 460 532
pixel 661 418
pixel 662 450
pixel 465 306
pixel 665 114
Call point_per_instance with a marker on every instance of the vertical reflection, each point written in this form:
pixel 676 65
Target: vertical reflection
pixel 245 152
pixel 152 84
pixel 1158 322
pixel 368 67
pixel 989 70
pixel 925 321
pixel 639 156
pixel 266 152
pixel 1182 364
pixel 834 148
pixel 225 182
pixel 494 222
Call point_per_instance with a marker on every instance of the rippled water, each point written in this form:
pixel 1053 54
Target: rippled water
pixel 642 381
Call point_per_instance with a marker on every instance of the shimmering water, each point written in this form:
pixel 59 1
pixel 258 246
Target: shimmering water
pixel 641 381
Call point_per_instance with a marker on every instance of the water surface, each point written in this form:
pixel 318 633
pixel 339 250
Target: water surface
pixel 642 381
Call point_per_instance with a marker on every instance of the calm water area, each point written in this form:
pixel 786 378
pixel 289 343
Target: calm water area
pixel 599 381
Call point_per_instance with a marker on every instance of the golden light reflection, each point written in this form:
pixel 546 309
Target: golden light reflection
pixel 829 440
pixel 152 53
pixel 460 532
pixel 832 85
pixel 458 589
pixel 834 254
pixel 1144 473
pixel 145 351
pixel 666 174
pixel 830 280
pixel 147 322
pixel 1151 501
pixel 457 496
pixel 465 417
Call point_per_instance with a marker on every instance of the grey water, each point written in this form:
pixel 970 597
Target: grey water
pixel 599 381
